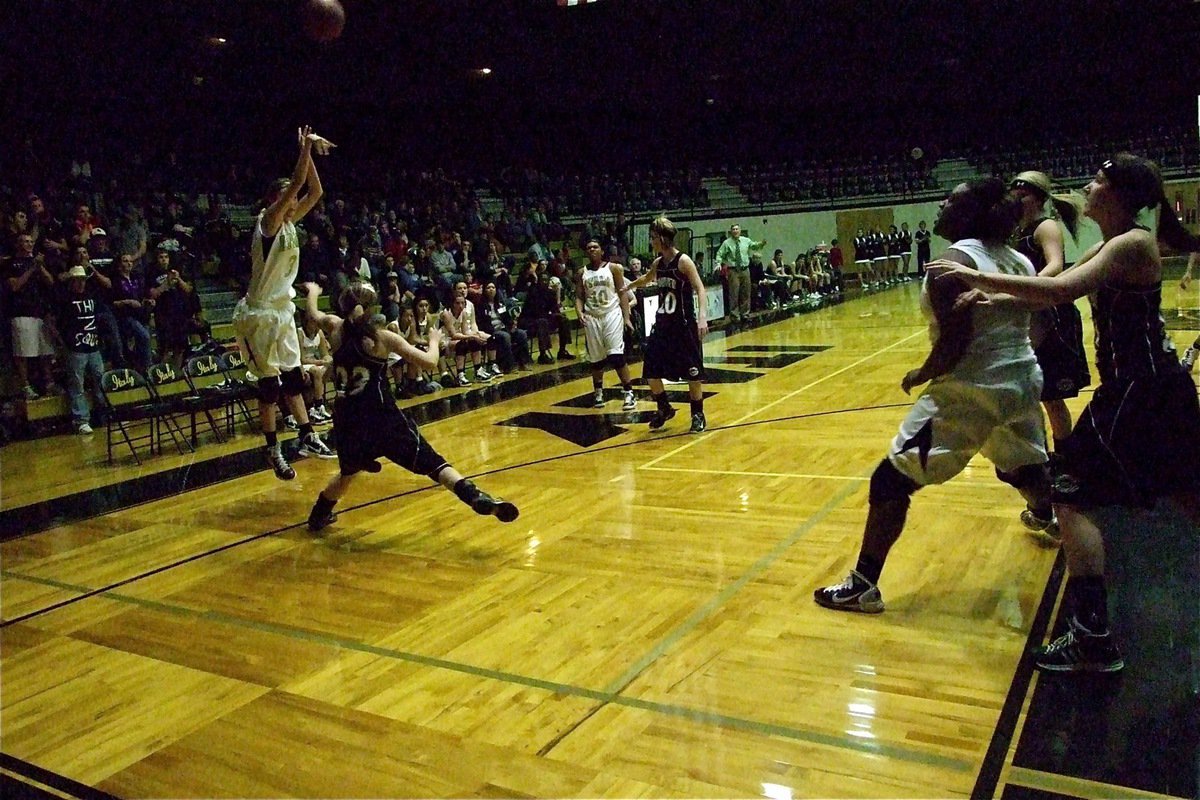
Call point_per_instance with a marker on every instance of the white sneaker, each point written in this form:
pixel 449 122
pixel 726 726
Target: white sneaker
pixel 630 401
pixel 598 398
pixel 463 380
pixel 318 415
pixel 289 422
pixel 496 371
pixel 83 429
pixel 482 374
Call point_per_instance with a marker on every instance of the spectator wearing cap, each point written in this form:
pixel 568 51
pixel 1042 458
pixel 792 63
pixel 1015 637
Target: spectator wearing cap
pixel 390 297
pixel 100 247
pixel 78 307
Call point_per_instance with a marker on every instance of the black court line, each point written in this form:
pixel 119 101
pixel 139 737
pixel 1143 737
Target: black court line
pixel 37 517
pixel 17 789
pixel 389 498
pixel 1010 712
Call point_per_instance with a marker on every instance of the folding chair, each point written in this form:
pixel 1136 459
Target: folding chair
pixel 129 400
pixel 243 385
pixel 174 389
pixel 207 380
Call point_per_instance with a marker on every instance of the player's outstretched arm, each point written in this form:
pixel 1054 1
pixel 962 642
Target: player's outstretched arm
pixel 273 218
pixel 326 322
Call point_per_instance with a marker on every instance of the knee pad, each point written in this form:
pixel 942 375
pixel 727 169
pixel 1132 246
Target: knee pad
pixel 616 360
pixel 1026 477
pixel 268 390
pixel 890 485
pixel 292 381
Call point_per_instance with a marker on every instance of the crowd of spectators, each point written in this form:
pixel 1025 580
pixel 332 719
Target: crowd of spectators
pixel 832 179
pixel 130 235
pixel 1172 148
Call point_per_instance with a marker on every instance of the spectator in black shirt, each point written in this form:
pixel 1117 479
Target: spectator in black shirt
pixel 77 308
pixel 29 286
pixel 539 314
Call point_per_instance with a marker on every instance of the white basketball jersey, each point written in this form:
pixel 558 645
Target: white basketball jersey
pixel 309 347
pixel 271 278
pixel 599 290
pixel 999 333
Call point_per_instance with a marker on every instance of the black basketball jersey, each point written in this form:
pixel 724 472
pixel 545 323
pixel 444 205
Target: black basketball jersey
pixel 360 378
pixel 1131 336
pixel 1026 246
pixel 676 302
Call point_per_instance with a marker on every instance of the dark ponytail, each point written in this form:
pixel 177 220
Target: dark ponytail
pixel 1139 185
pixel 1171 231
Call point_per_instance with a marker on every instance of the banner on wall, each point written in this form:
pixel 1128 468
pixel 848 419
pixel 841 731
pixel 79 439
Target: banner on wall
pixel 716 306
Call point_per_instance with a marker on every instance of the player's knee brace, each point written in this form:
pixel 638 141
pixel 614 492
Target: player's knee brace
pixel 890 485
pixel 268 390
pixel 616 360
pixel 292 381
pixel 1029 476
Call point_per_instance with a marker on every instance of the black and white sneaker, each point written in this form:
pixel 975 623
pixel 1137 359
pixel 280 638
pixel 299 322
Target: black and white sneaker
pixel 278 462
pixel 314 445
pixel 661 416
pixel 630 402
pixel 1044 530
pixel 1079 650
pixel 856 593
pixel 598 398
pixel 1189 358
pixel 699 423
pixel 486 505
pixel 318 521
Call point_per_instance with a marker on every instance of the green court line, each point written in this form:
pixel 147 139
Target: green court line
pixel 705 611
pixel 602 697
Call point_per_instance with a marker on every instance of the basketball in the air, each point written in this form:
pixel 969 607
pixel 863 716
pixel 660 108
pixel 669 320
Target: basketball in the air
pixel 323 19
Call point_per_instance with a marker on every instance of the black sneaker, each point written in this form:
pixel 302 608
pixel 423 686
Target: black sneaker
pixel 314 445
pixel 317 522
pixel 660 417
pixel 856 593
pixel 699 423
pixel 486 505
pixel 545 358
pixel 563 355
pixel 1079 650
pixel 279 463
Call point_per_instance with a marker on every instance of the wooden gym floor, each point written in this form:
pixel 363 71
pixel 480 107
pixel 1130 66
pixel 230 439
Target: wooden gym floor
pixel 645 628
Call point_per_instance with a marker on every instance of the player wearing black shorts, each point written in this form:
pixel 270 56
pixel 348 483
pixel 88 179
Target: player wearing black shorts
pixel 1060 351
pixel 368 423
pixel 1138 440
pixel 673 350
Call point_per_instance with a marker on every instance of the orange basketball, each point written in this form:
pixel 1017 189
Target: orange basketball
pixel 323 19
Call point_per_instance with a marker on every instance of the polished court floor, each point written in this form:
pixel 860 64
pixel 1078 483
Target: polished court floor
pixel 645 628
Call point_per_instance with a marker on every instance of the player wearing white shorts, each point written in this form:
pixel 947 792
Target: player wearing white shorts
pixel 603 310
pixel 264 319
pixel 982 396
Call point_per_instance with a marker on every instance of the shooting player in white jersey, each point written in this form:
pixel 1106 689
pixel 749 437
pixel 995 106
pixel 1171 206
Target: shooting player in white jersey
pixel 264 319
